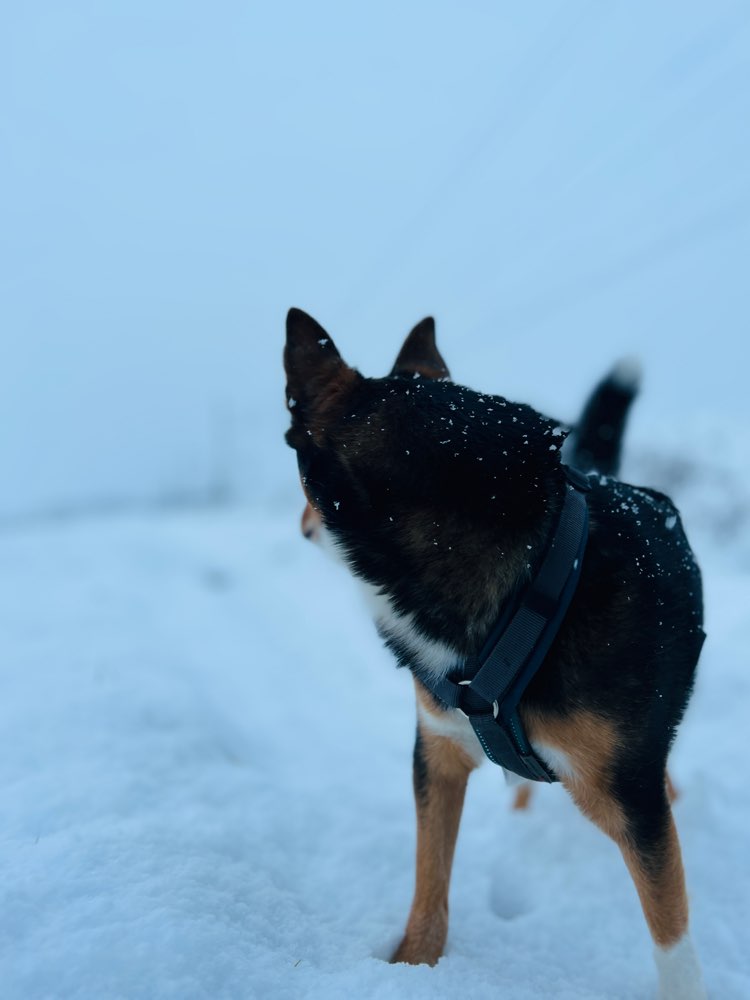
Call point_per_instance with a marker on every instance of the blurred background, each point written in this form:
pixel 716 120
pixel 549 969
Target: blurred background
pixel 557 185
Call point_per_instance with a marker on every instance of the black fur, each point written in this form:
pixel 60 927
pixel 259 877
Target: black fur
pixel 419 769
pixel 432 488
pixel 596 442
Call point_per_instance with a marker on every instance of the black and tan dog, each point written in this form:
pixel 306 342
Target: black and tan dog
pixel 442 500
pixel 594 444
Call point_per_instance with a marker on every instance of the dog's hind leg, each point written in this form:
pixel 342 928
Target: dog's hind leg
pixel 640 820
pixel 630 804
pixel 441 770
pixel 651 849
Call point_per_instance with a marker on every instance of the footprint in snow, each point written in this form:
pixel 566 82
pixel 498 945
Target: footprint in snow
pixel 509 896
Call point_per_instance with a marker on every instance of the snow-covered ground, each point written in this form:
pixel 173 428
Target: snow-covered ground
pixel 204 751
pixel 206 783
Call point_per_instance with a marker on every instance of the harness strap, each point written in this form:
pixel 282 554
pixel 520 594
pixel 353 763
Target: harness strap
pixel 518 644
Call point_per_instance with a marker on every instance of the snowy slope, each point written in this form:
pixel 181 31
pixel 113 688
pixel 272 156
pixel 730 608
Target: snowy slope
pixel 206 782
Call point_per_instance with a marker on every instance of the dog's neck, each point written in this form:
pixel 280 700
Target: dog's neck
pixel 439 497
pixel 437 582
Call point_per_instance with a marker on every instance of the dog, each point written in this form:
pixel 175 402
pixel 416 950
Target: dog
pixel 448 505
pixel 594 445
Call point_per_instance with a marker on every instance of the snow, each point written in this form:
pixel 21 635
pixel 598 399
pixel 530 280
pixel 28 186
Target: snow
pixel 206 760
pixel 206 784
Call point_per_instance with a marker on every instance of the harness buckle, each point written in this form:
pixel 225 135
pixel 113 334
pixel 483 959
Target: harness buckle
pixel 495 706
pixel 577 479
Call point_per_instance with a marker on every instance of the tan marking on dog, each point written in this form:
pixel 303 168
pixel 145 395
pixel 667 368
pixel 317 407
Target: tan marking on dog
pixel 591 744
pixel 672 792
pixel 311 520
pixel 524 794
pixel 663 895
pixel 522 798
pixel 448 755
pixel 447 769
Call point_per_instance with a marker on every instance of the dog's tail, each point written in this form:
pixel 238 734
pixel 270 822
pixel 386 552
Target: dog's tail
pixel 595 443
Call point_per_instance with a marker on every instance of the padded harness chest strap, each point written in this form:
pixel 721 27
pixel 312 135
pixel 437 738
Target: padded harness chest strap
pixel 518 644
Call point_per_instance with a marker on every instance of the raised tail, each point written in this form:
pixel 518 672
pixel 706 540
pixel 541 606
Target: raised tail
pixel 595 443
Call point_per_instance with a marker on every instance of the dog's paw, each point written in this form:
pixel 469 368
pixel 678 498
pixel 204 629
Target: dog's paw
pixel 679 972
pixel 412 951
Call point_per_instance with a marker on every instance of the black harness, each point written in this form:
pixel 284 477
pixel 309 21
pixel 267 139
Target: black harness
pixel 487 689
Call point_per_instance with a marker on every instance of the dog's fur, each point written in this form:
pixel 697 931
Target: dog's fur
pixel 593 445
pixel 442 499
pixel 595 440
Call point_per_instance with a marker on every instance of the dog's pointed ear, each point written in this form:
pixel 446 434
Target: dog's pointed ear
pixel 315 371
pixel 419 354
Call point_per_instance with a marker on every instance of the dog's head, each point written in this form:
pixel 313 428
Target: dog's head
pixel 419 356
pixel 431 491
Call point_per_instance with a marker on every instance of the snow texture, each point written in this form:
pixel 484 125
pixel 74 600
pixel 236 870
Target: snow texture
pixel 206 785
pixel 206 752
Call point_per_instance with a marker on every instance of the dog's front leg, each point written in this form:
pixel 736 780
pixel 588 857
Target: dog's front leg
pixel 441 770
